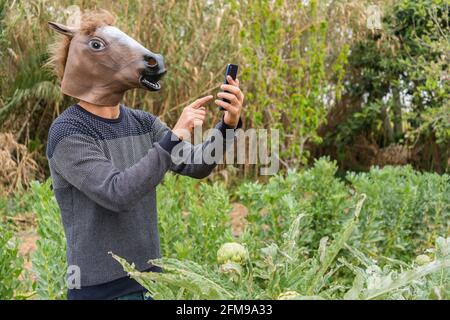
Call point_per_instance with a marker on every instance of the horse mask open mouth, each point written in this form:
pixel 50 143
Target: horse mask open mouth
pixel 98 63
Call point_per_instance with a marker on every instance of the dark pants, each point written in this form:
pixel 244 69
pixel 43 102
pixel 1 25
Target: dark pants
pixel 135 296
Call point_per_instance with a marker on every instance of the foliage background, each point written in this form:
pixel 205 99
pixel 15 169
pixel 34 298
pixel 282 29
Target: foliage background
pixel 312 69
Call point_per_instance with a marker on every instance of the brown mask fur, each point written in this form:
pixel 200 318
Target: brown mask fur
pixel 98 63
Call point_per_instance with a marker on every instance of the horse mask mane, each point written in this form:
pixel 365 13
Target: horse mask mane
pixel 96 62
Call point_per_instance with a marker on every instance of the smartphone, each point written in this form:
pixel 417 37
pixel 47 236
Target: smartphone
pixel 231 70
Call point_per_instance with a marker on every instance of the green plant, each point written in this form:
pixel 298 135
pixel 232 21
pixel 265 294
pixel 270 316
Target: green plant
pixel 315 192
pixel 198 213
pixel 284 271
pixel 406 209
pixel 49 259
pixel 11 264
pixel 310 236
pixel 428 280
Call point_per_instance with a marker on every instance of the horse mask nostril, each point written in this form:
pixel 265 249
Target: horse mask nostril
pixel 152 63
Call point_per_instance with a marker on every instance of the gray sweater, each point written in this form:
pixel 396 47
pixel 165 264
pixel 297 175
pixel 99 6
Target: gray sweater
pixel 105 174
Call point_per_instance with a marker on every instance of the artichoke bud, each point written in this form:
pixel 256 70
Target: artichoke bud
pixel 422 259
pixel 232 252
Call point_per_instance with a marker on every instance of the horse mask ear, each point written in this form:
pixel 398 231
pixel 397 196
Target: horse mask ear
pixel 60 28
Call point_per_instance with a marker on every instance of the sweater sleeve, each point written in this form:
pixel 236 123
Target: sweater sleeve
pixel 80 160
pixel 196 161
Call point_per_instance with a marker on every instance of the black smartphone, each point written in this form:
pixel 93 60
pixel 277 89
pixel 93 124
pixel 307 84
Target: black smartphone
pixel 231 70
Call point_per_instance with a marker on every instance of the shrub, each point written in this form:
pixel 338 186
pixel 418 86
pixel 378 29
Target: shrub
pixel 315 192
pixel 11 264
pixel 405 211
pixel 309 236
pixel 284 268
pixel 199 214
pixel 49 259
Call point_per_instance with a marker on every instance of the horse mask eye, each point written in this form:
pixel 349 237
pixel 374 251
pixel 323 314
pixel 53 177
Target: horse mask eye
pixel 96 45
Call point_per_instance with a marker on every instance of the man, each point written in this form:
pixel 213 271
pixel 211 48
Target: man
pixel 106 159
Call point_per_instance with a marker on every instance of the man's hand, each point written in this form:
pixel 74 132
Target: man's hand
pixel 236 98
pixel 192 116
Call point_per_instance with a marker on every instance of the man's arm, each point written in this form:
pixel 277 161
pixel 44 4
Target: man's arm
pixel 196 163
pixel 80 160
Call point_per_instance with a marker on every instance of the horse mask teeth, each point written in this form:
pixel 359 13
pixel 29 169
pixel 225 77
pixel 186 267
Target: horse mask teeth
pixel 100 63
pixel 149 84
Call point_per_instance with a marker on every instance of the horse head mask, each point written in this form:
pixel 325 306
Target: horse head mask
pixel 96 62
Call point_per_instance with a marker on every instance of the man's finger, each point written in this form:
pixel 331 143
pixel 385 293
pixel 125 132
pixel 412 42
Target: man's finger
pixel 200 102
pixel 233 89
pixel 231 81
pixel 198 117
pixel 228 96
pixel 199 111
pixel 230 88
pixel 224 105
